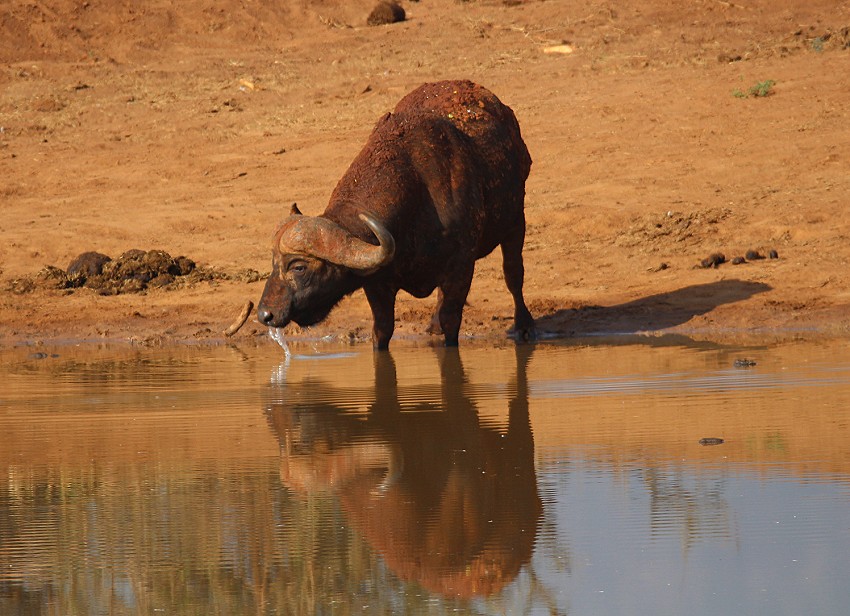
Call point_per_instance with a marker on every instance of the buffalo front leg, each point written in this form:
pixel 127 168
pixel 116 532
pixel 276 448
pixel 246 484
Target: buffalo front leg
pixel 434 327
pixel 514 270
pixel 452 299
pixel 381 300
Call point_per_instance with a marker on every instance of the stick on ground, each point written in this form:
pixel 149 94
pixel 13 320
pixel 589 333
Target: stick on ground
pixel 240 320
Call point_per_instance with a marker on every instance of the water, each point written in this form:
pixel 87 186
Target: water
pixel 554 479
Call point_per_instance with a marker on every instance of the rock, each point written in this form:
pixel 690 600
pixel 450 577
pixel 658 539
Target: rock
pixel 713 260
pixel 385 12
pixel 711 440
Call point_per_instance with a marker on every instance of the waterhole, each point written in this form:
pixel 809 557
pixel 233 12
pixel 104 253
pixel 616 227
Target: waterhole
pixel 630 476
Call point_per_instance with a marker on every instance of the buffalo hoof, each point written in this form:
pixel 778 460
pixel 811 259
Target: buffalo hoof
pixel 523 334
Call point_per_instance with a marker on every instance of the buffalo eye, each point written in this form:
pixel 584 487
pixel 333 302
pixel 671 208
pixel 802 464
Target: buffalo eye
pixel 297 267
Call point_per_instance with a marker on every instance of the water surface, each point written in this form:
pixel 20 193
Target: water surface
pixel 549 479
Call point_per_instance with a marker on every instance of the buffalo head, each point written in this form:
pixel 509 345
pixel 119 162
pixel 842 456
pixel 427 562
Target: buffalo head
pixel 315 263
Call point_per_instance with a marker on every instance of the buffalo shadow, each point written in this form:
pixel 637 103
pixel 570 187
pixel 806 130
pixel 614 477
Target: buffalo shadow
pixel 655 312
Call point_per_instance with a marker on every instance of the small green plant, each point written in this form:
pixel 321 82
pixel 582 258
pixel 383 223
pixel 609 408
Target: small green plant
pixel 762 88
pixel 758 90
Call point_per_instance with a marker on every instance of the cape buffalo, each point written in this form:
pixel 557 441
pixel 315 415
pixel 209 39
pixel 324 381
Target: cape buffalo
pixel 439 184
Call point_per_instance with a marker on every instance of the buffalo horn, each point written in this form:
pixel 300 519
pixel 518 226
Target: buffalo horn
pixel 324 239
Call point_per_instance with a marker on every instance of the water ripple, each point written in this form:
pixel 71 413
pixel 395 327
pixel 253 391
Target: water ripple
pixel 690 383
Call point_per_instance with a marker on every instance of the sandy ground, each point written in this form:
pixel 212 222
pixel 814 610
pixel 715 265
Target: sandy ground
pixel 191 127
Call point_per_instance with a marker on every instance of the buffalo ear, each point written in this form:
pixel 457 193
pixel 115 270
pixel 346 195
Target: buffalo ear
pixel 295 211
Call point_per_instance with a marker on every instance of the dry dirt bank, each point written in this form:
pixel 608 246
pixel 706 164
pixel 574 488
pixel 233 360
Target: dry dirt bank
pixel 191 126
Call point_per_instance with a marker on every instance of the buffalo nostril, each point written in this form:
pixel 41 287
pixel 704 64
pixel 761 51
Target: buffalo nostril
pixel 265 316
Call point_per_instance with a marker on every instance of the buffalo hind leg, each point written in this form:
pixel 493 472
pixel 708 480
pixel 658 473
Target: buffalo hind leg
pixel 382 302
pixel 514 270
pixel 451 301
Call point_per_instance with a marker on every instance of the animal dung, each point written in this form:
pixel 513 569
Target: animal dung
pixel 136 270
pixel 88 264
pixel 132 272
pixel 385 12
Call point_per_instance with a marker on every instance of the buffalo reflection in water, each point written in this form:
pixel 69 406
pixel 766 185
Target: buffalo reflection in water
pixel 447 502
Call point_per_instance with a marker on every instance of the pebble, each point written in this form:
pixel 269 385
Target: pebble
pixel 713 260
pixel 744 363
pixel 711 441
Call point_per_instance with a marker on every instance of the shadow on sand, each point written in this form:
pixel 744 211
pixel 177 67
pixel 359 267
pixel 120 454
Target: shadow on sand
pixel 652 313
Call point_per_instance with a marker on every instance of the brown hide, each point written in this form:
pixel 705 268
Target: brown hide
pixel 448 503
